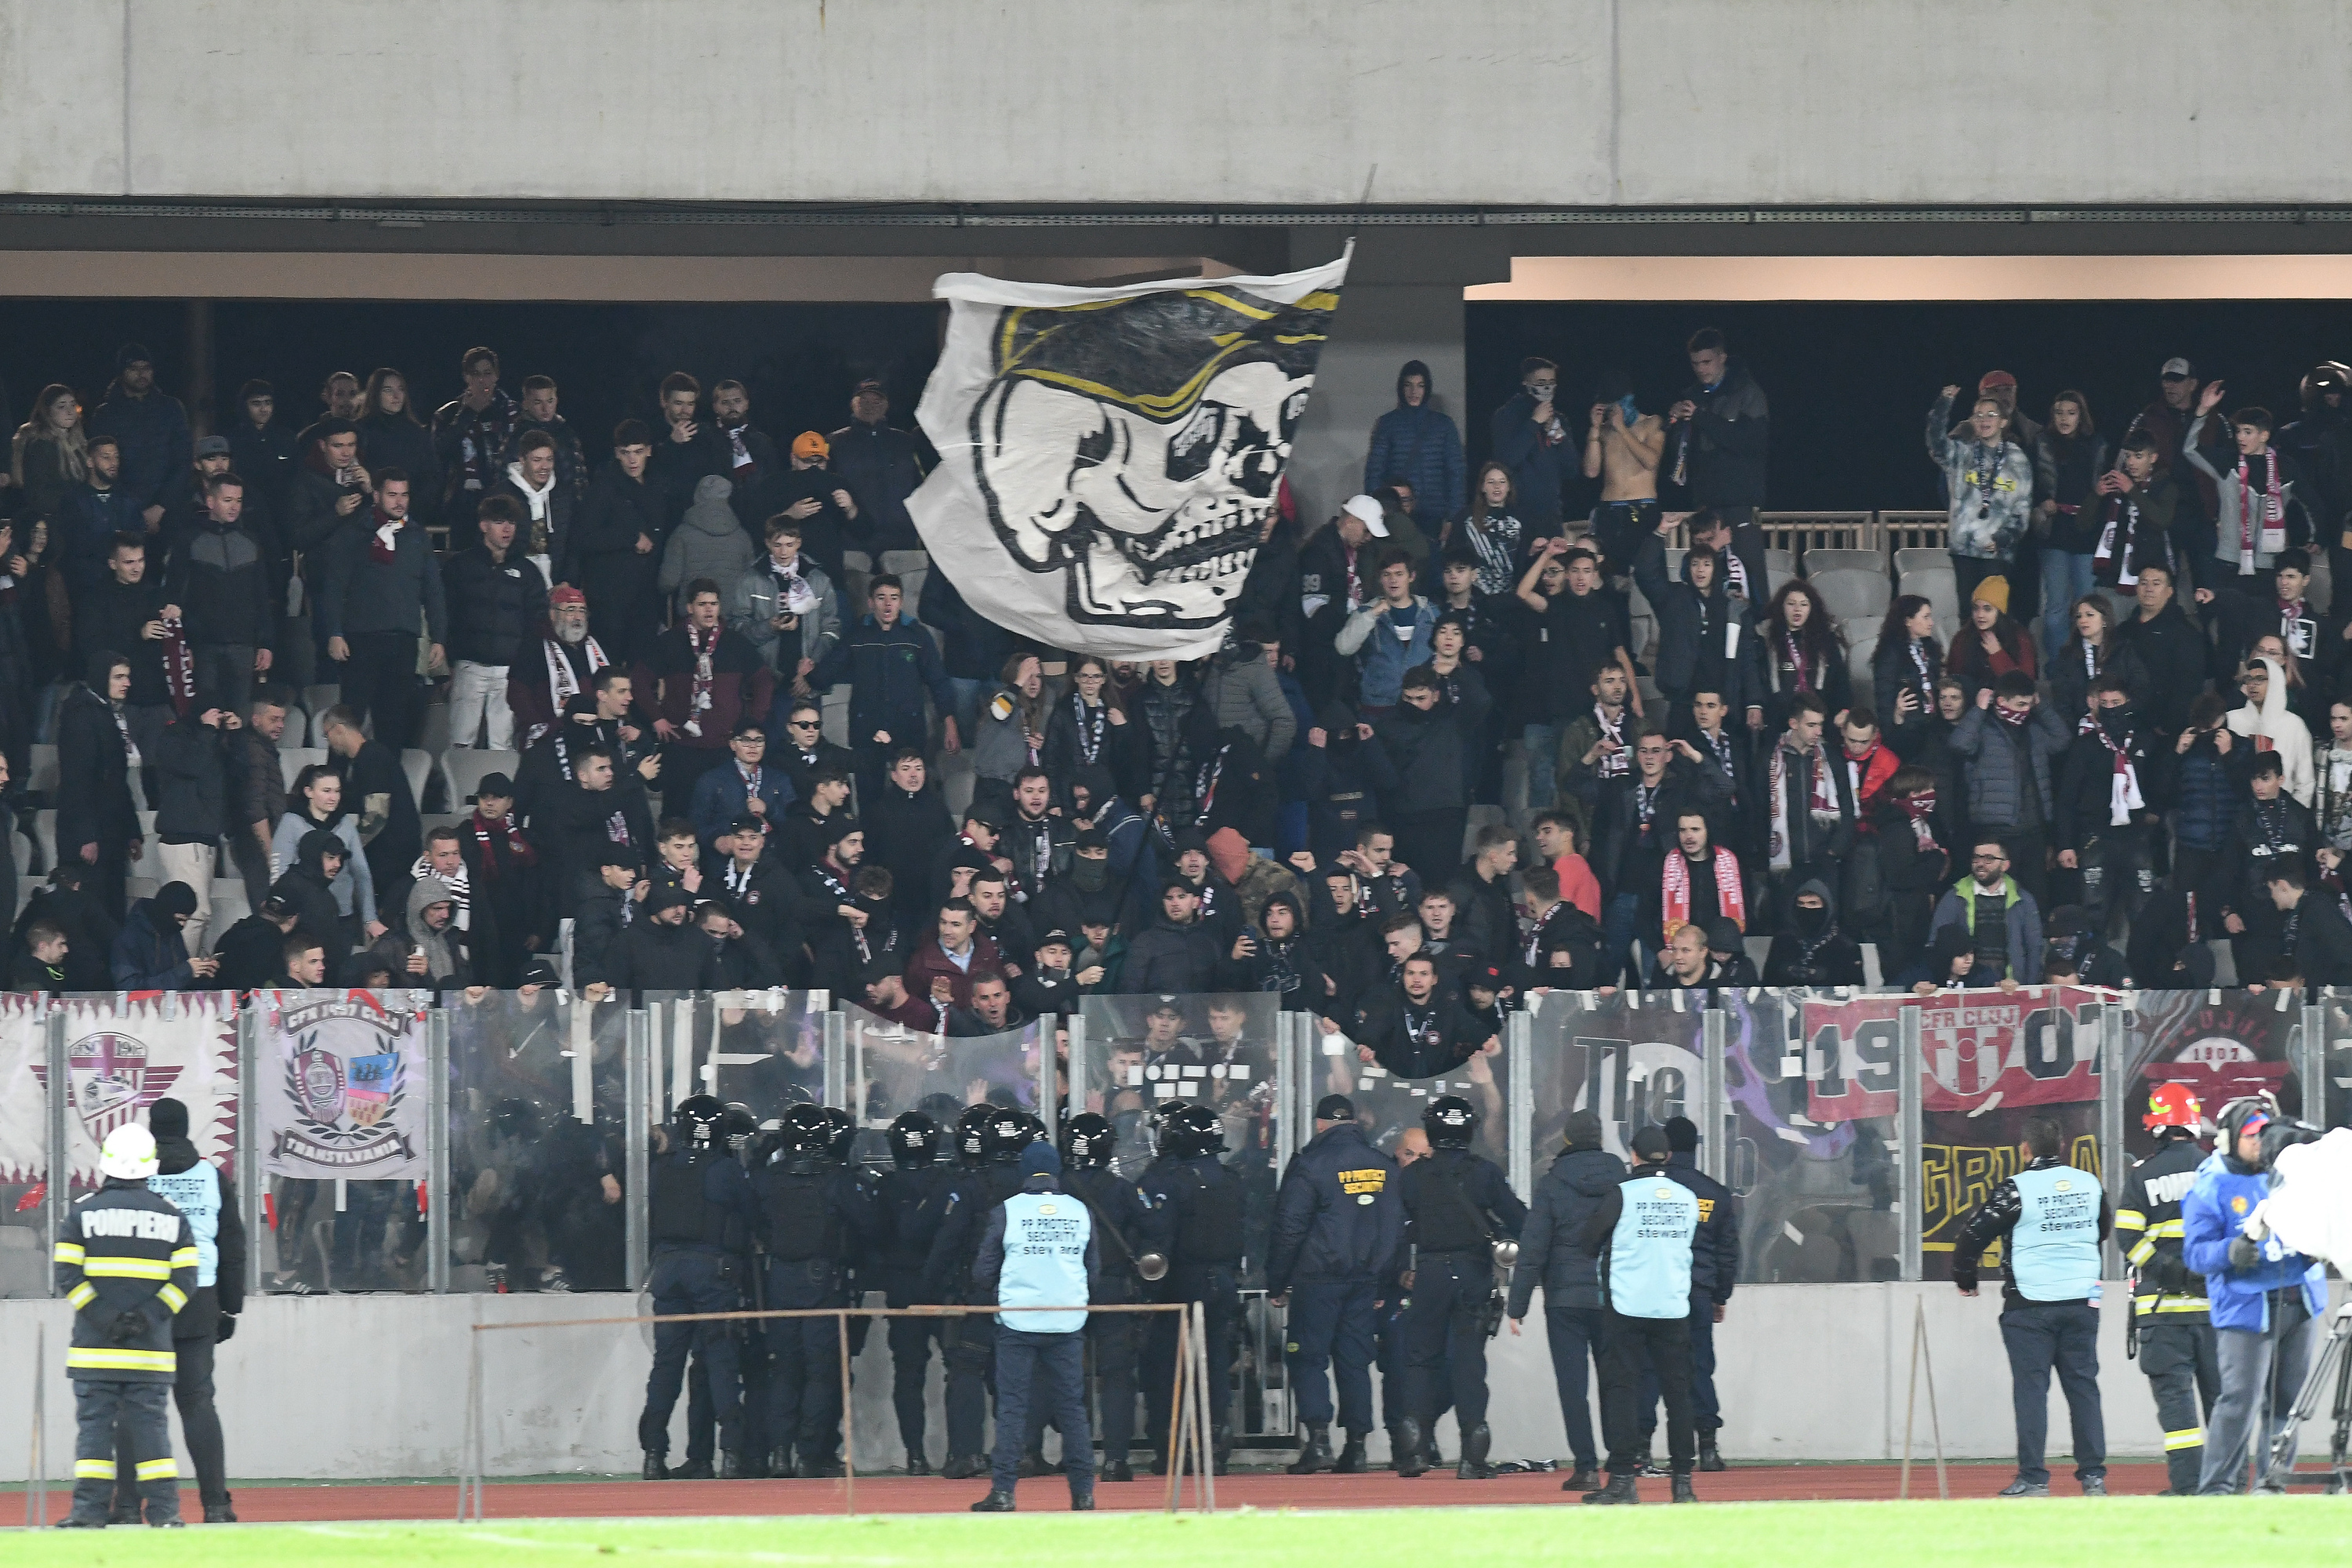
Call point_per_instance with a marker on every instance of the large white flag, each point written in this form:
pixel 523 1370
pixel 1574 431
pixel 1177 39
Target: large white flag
pixel 1108 457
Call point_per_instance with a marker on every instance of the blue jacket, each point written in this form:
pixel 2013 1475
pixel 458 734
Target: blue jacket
pixel 87 522
pixel 720 797
pixel 2210 786
pixel 1420 446
pixel 1550 1251
pixel 2214 1212
pixel 146 957
pixel 890 670
pixel 1322 1229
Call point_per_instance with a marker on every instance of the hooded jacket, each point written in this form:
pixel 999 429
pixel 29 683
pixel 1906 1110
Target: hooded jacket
pixel 2287 735
pixel 1385 641
pixel 151 954
pixel 760 595
pixel 444 966
pixel 1567 1195
pixel 1435 756
pixel 1241 692
pixel 1172 957
pixel 1419 446
pixel 1814 952
pixel 354 888
pixel 708 542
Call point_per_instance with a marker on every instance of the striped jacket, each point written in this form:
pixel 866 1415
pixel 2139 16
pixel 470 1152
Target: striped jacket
pixel 124 1250
pixel 2148 1227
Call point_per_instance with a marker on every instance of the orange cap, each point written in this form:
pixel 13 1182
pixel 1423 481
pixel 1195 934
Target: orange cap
pixel 809 443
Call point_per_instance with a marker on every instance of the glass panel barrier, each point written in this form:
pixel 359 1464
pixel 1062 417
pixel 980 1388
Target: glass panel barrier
pixel 537 1164
pixel 1637 1059
pixel 764 1050
pixel 2335 1103
pixel 1217 1050
pixel 1812 1118
pixel 1389 1104
pixel 893 1068
pixel 2222 1044
pixel 24 1145
pixel 1990 1061
pixel 341 1100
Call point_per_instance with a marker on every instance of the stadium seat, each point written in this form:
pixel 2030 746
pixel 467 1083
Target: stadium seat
pixel 1852 595
pixel 1917 559
pixel 1780 566
pixel 41 773
pixel 294 759
pixel 45 834
pixel 463 766
pixel 1819 561
pixel 1860 651
pixel 316 701
pixel 418 766
pixel 433 735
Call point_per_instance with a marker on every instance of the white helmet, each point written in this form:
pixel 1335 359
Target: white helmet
pixel 129 1153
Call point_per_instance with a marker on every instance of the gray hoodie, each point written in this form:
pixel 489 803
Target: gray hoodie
pixel 442 966
pixel 709 542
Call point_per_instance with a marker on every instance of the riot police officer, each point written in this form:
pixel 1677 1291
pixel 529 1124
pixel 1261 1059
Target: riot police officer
pixel 913 1198
pixel 703 1215
pixel 812 1212
pixel 1134 1252
pixel 970 1344
pixel 2172 1324
pixel 1457 1206
pixel 746 1145
pixel 1203 1201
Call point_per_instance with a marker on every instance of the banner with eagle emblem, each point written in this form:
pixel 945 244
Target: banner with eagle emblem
pixel 1108 458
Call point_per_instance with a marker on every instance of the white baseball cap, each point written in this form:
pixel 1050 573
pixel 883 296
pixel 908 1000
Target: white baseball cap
pixel 1367 510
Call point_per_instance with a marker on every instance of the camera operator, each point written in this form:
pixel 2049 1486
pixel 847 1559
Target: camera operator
pixel 2051 1219
pixel 2263 1298
pixel 2171 1325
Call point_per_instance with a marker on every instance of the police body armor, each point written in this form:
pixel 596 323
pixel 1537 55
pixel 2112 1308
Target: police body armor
pixel 1107 1197
pixel 803 1223
pixel 1445 1220
pixel 681 1215
pixel 1209 1221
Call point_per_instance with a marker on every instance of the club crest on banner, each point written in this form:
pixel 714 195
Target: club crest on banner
pixel 112 1082
pixel 1109 456
pixel 337 1108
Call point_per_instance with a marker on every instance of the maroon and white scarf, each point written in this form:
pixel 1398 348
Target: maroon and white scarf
pixel 1918 809
pixel 179 665
pixel 563 683
pixel 702 646
pixel 504 828
pixel 2261 526
pixel 384 544
pixel 1676 892
pixel 1822 802
pixel 2123 781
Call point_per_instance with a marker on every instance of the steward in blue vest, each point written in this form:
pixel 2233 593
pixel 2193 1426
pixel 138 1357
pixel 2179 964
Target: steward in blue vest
pixel 207 1201
pixel 1642 1233
pixel 2050 1219
pixel 1039 1251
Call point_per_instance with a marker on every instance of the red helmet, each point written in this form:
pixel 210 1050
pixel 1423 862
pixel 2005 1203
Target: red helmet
pixel 2172 1105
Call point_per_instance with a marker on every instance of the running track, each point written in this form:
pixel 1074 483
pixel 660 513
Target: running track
pixel 898 1494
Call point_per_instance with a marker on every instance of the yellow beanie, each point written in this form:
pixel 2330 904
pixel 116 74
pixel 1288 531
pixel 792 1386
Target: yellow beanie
pixel 1993 591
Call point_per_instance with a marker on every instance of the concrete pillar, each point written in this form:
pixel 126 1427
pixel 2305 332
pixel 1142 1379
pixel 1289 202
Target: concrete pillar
pixel 1402 301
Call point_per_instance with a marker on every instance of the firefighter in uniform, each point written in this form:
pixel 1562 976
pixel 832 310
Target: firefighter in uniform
pixel 1203 1201
pixel 1457 1205
pixel 126 1263
pixel 1642 1233
pixel 703 1215
pixel 812 1212
pixel 207 1201
pixel 1135 1251
pixel 913 1200
pixel 971 1346
pixel 2172 1328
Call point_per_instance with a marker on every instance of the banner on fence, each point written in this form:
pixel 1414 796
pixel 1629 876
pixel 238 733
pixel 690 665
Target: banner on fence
pixel 341 1085
pixel 1980 1050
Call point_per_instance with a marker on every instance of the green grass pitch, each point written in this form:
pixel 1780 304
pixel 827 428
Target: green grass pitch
pixel 2043 1534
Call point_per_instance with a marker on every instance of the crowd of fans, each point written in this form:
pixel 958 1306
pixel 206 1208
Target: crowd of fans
pixel 2132 747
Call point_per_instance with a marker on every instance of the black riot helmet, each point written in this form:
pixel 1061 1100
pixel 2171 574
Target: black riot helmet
pixel 2324 378
pixel 1009 1133
pixel 840 1132
pixel 699 1121
pixel 1198 1131
pixel 805 1130
pixel 971 1134
pixel 1088 1141
pixel 1449 1121
pixel 742 1126
pixel 1160 1125
pixel 914 1141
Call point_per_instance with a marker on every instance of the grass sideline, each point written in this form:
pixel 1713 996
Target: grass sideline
pixel 2053 1534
